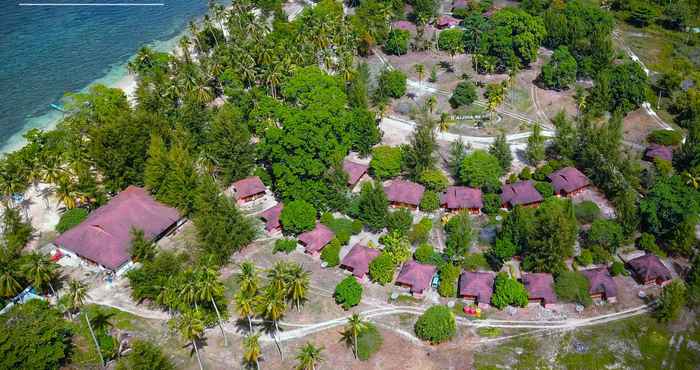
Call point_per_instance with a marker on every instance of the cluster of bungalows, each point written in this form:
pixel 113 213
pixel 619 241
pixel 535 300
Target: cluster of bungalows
pixel 477 288
pixel 103 239
pixel 567 182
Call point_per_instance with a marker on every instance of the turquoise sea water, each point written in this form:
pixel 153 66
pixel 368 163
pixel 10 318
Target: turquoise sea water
pixel 48 51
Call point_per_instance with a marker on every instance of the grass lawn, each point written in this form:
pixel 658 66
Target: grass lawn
pixel 639 342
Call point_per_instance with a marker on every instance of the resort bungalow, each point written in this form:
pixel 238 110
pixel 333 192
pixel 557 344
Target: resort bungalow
pixel 462 198
pixel 476 287
pixel 248 189
pixel 358 259
pixel 602 285
pixel 649 270
pixel 416 276
pixel 103 239
pixel 403 193
pixel 655 151
pixel 568 181
pixel 271 218
pixel 446 21
pixel 521 193
pixel 355 171
pixel 313 241
pixel 540 288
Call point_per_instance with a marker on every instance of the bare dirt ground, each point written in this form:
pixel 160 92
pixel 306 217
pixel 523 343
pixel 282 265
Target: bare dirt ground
pixel 637 125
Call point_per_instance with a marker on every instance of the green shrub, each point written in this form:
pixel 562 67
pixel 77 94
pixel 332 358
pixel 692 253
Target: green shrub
pixel 647 242
pixel 436 325
pixel 421 231
pixel 665 137
pixel 617 268
pixel 331 253
pixel 572 286
pixel 465 94
pixel 545 189
pixel 397 246
pixel 434 180
pixel 298 216
pixel 424 253
pixel 475 262
pixel 492 203
pixel 144 355
pixel 671 302
pixel 386 162
pixel 525 174
pixel 585 258
pixel 587 212
pixel 542 172
pixel 348 292
pixel 504 249
pixel 381 269
pixel 606 233
pixel 397 42
pixel 71 218
pixel 448 280
pixel 368 342
pixel 600 254
pixel 508 292
pixel 392 83
pixel 285 245
pixel 430 201
pixel 356 227
pixel 399 221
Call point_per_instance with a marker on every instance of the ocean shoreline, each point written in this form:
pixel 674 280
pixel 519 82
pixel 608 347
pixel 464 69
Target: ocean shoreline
pixel 116 76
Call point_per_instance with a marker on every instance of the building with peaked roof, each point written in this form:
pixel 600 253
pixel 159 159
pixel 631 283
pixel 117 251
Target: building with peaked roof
pixel 358 259
pixel 248 189
pixel 477 287
pixel 271 218
pixel 658 151
pixel 521 193
pixel 355 171
pixel 568 181
pixel 314 240
pixel 601 284
pixel 648 269
pixel 462 198
pixel 402 193
pixel 446 21
pixel 416 276
pixel 540 288
pixel 104 237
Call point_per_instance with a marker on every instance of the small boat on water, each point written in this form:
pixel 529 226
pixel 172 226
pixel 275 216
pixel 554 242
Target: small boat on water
pixel 57 107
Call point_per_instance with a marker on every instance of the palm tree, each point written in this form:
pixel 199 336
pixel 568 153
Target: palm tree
pixel 77 294
pixel 40 271
pixel 309 356
pixel 189 289
pixel 66 193
pixel 580 96
pixel 248 279
pixel 245 306
pixel 278 276
pixel 191 327
pixel 354 327
pixel 420 69
pixel 298 282
pixel 445 121
pixel 271 306
pixel 9 286
pixel 691 180
pixel 430 103
pixel 251 350
pixel 209 288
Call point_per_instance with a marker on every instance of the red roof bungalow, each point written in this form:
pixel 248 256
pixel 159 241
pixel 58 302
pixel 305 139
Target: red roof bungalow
pixel 446 21
pixel 602 285
pixel 461 198
pixel 104 237
pixel 477 287
pixel 416 276
pixel 358 259
pixel 248 189
pixel 649 270
pixel 404 25
pixel 520 193
pixel 540 288
pixel 314 240
pixel 460 4
pixel 658 151
pixel 355 171
pixel 568 181
pixel 403 193
pixel 271 218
